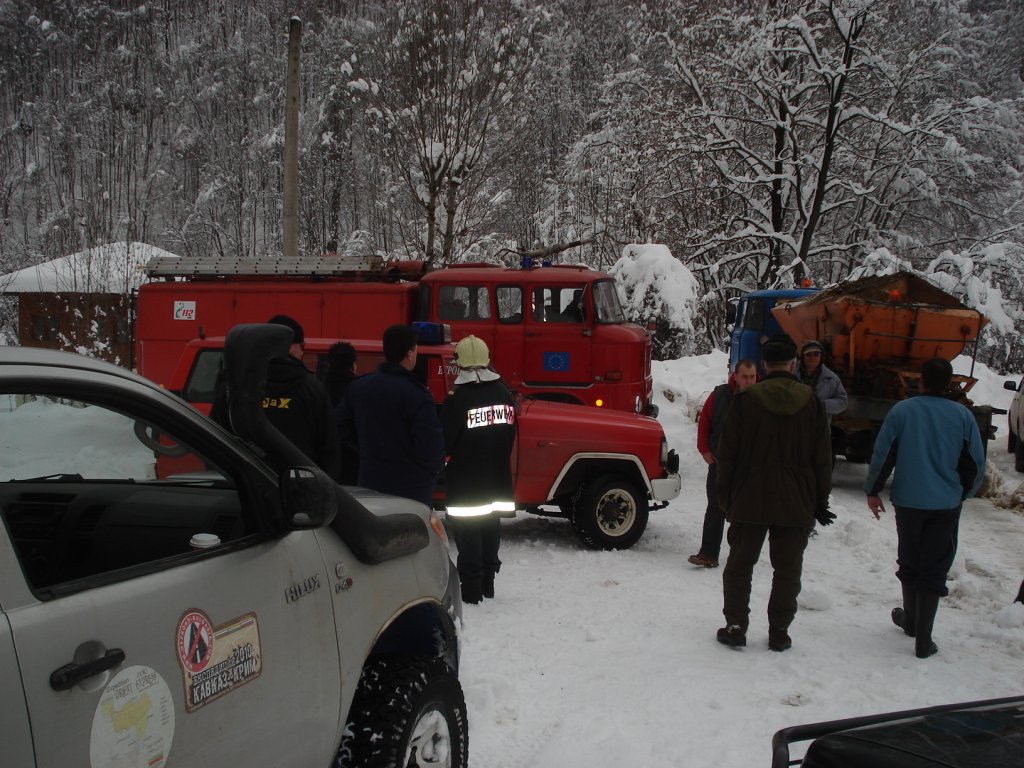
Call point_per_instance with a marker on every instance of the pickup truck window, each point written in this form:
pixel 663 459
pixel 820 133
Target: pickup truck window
pixel 202 380
pixel 86 489
pixel 607 308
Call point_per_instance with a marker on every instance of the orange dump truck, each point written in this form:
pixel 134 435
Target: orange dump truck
pixel 877 332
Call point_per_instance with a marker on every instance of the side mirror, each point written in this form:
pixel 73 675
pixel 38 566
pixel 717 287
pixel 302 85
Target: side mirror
pixel 730 314
pixel 308 497
pixel 1010 385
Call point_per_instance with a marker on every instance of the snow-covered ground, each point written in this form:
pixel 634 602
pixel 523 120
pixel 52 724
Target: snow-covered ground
pixel 593 659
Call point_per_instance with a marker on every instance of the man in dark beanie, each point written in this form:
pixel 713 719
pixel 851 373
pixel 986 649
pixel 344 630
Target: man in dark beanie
pixel 774 479
pixel 296 403
pixel 934 446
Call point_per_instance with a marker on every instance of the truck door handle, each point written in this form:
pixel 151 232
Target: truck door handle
pixel 72 674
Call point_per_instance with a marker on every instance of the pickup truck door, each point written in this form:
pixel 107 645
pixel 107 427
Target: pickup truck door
pixel 200 657
pixel 15 733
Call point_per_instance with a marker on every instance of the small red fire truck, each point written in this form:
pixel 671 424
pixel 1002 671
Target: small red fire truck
pixel 603 470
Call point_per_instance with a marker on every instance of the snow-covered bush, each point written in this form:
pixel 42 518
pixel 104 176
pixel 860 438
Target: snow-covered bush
pixel 656 288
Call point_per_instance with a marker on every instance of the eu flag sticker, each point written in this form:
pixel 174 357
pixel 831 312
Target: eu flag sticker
pixel 556 361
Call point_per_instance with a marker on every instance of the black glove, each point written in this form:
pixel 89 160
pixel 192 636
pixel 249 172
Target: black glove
pixel 823 516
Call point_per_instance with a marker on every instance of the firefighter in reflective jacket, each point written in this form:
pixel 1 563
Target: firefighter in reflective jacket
pixel 479 420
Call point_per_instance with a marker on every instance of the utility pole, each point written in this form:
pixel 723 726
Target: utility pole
pixel 289 222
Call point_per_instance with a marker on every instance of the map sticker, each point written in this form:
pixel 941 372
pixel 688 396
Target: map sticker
pixel 216 660
pixel 133 726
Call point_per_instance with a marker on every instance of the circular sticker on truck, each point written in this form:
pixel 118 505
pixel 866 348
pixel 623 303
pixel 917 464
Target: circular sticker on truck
pixel 195 641
pixel 134 722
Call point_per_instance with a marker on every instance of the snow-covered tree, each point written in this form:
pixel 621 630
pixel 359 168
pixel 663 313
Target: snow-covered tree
pixel 443 93
pixel 659 293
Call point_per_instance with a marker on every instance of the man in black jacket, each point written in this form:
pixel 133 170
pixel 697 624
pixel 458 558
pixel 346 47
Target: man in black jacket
pixel 774 479
pixel 393 419
pixel 479 420
pixel 296 403
pixel 341 372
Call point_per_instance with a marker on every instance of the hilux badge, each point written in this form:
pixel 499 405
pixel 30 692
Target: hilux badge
pixel 302 588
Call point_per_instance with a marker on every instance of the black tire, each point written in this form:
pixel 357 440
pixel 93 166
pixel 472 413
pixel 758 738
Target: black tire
pixel 1011 441
pixel 610 514
pixel 398 696
pixel 1018 456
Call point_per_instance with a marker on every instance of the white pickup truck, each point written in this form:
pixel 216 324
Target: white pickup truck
pixel 251 613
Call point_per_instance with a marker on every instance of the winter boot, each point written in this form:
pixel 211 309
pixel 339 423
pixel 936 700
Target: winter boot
pixel 779 640
pixel 927 605
pixel 487 584
pixel 906 617
pixel 733 635
pixel 471 592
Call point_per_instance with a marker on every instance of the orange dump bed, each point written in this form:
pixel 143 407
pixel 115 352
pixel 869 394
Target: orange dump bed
pixel 896 320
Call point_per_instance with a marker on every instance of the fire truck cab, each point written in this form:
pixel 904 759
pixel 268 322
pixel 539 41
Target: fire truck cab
pixel 555 332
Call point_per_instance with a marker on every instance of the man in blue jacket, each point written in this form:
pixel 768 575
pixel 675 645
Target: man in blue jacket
pixel 934 446
pixel 393 420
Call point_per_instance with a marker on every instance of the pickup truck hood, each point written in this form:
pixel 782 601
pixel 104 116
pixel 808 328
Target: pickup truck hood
pixel 583 421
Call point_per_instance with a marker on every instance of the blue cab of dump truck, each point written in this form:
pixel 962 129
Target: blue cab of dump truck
pixel 754 321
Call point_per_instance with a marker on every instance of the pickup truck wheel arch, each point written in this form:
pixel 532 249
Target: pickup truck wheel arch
pixel 611 513
pixel 424 630
pixel 406 707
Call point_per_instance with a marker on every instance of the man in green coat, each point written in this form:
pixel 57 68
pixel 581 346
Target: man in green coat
pixel 774 479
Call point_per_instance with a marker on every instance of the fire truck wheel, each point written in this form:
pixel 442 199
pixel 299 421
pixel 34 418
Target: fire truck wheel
pixel 610 514
pixel 406 712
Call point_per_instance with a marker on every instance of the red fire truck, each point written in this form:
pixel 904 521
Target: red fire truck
pixel 603 470
pixel 555 332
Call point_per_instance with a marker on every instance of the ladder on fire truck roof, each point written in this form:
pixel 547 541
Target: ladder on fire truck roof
pixel 303 266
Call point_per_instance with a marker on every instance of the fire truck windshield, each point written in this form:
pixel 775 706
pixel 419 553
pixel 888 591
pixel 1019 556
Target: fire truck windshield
pixel 606 303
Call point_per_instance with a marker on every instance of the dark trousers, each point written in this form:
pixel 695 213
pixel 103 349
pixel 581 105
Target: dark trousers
pixel 786 546
pixel 927 546
pixel 478 540
pixel 714 520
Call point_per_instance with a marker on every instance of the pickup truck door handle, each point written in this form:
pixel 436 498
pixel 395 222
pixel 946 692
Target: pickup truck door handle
pixel 72 674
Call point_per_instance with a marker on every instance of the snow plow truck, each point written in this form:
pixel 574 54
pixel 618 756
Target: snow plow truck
pixel 876 331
